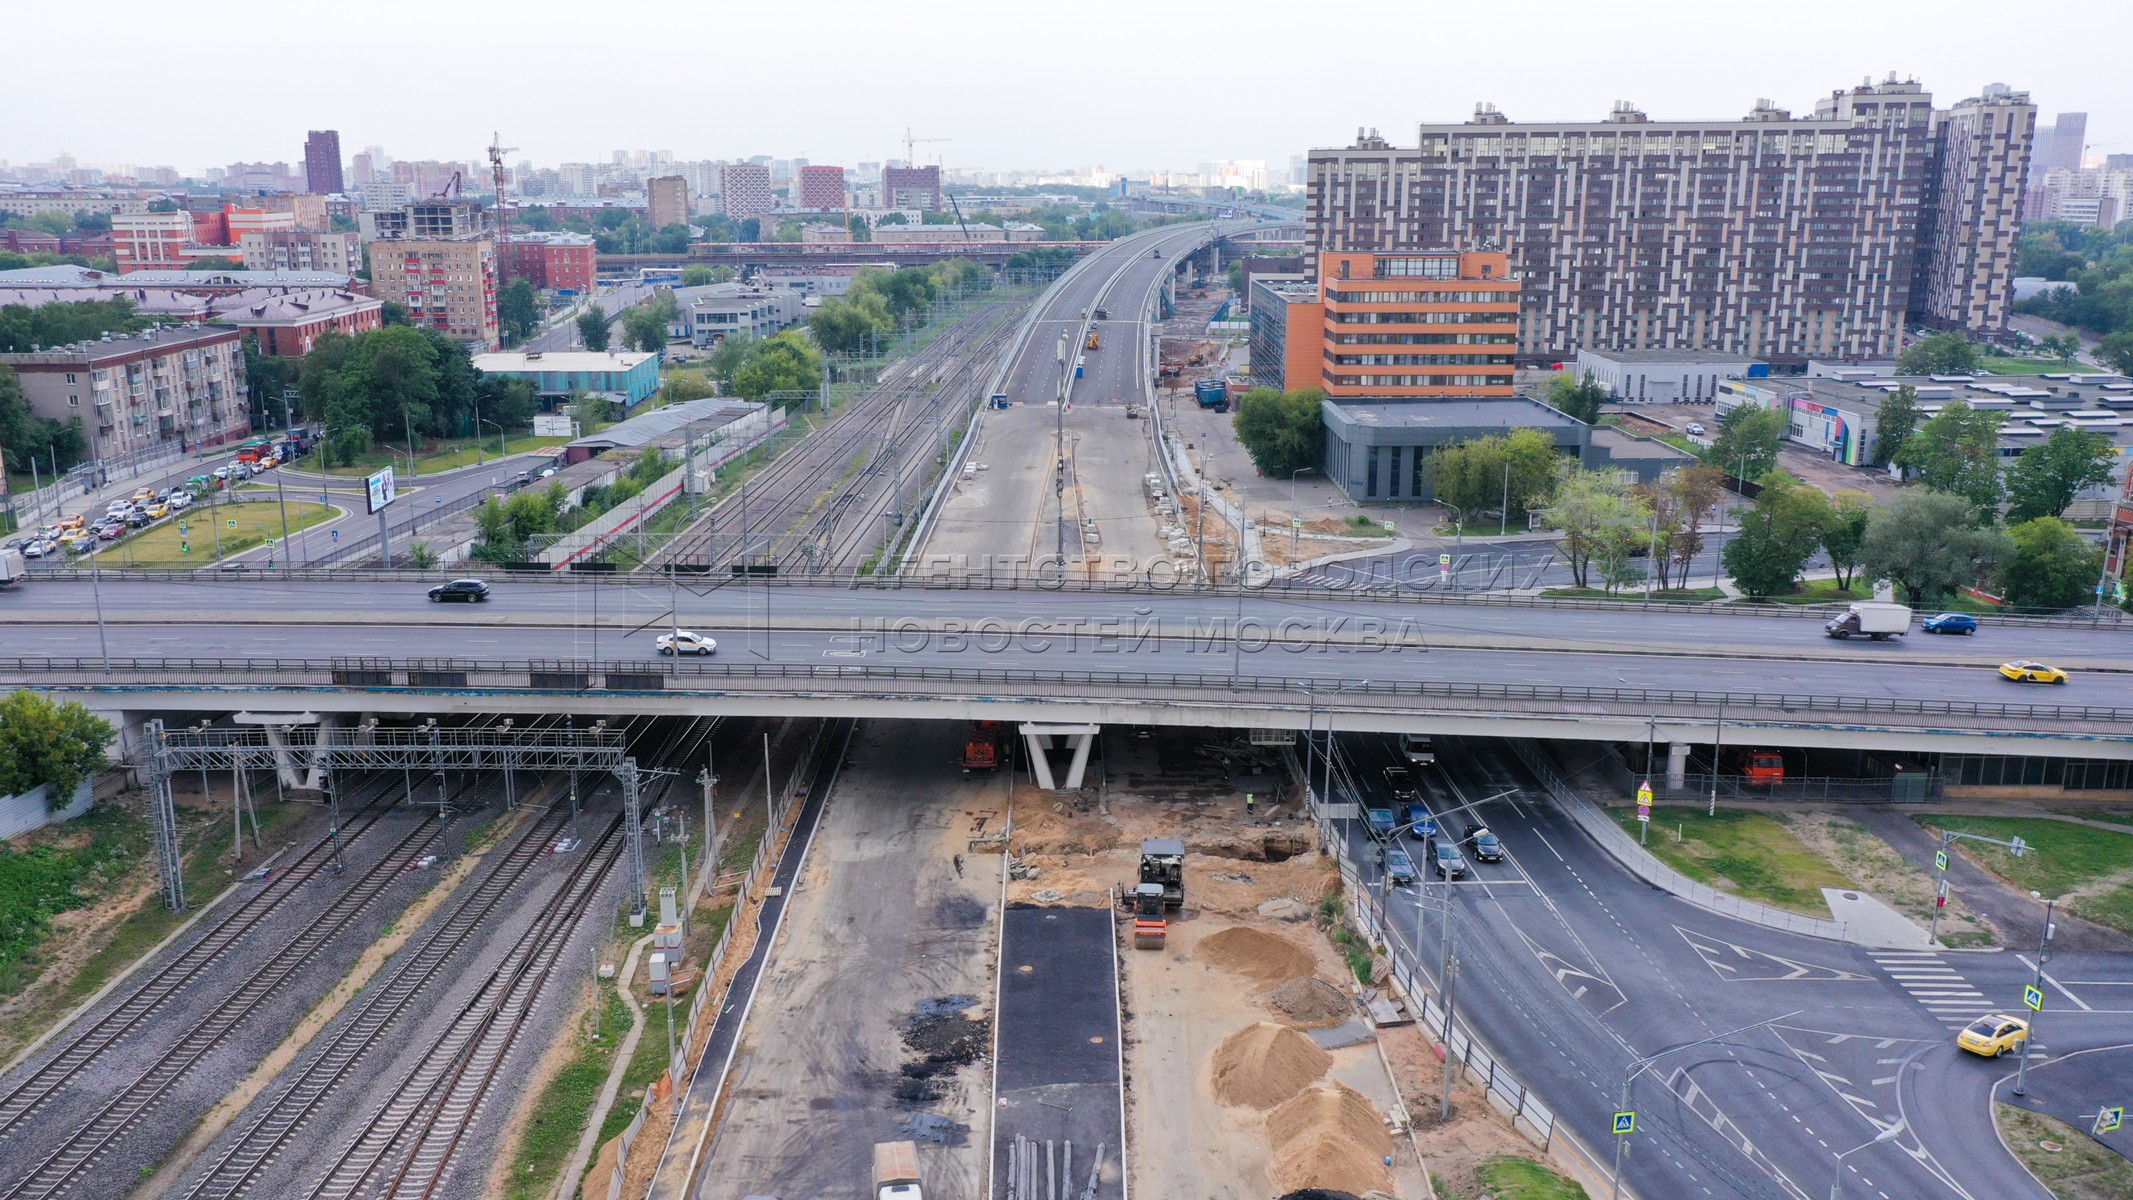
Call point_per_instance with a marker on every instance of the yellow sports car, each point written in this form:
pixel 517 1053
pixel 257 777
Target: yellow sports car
pixel 2024 671
pixel 1994 1035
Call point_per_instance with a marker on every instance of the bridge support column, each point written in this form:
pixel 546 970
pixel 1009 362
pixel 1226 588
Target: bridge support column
pixel 1677 765
pixel 1039 740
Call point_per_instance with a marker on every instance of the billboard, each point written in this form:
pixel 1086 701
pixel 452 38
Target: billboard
pixel 554 425
pixel 380 489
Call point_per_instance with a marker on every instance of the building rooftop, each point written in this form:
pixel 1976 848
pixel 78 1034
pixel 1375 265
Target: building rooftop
pixel 124 345
pixel 1621 443
pixel 1670 356
pixel 646 428
pixel 554 237
pixel 1517 411
pixel 238 279
pixel 562 360
pixel 262 308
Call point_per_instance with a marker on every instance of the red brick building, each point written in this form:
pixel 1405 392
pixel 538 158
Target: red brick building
pixel 287 325
pixel 552 261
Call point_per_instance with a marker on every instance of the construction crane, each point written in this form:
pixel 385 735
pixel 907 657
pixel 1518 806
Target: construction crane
pixel 497 150
pixel 910 141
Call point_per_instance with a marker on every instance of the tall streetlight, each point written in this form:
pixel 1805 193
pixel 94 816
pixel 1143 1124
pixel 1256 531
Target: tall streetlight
pixel 1644 1064
pixel 1887 1135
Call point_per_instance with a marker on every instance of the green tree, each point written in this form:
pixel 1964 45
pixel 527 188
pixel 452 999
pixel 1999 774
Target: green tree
pixel 701 275
pixel 2046 477
pixel 785 363
pixel 1580 398
pixel 1284 432
pixel 1844 533
pixel 592 328
pixel 508 401
pixel 25 435
pixel 266 376
pixel 644 328
pixel 727 357
pixel 589 409
pixel 1777 536
pixel 1690 496
pixel 1747 443
pixel 1929 544
pixel 1894 422
pixel 43 742
pixel 518 310
pixel 2116 351
pixel 506 526
pixel 1941 354
pixel 1958 452
pixel 1475 476
pixel 2050 565
pixel 1598 519
pixel 852 322
pixel 22 327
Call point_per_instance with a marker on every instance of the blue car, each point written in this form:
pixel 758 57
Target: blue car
pixel 1380 822
pixel 1950 623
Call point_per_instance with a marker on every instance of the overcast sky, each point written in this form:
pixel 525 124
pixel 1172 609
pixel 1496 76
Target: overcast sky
pixel 1129 85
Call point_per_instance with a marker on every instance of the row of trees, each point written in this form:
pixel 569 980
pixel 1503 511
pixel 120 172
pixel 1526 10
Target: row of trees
pixel 1958 453
pixel 2096 269
pixel 878 303
pixel 402 382
pixel 23 327
pixel 27 437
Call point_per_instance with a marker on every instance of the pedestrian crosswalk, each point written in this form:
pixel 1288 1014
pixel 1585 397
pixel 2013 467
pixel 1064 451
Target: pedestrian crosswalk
pixel 1933 983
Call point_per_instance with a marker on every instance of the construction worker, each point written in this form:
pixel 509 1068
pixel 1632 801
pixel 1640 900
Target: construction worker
pixel 1251 807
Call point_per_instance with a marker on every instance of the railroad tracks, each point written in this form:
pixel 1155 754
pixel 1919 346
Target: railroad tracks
pixel 808 510
pixel 156 993
pixel 384 1005
pixel 121 1113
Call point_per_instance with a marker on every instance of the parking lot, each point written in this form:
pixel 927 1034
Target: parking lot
pixel 69 537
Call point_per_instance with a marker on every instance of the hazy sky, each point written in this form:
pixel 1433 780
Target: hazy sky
pixel 1130 85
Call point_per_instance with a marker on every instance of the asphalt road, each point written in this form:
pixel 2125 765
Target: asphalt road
pixel 563 335
pixel 1574 972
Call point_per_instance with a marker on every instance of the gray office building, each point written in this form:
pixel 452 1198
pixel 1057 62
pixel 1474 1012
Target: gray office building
pixel 1377 451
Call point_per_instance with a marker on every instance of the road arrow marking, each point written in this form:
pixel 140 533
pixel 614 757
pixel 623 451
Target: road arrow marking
pixel 1735 963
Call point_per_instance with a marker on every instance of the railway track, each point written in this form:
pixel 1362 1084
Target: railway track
pixel 384 1004
pixel 154 994
pixel 415 1134
pixel 119 1114
pixel 808 510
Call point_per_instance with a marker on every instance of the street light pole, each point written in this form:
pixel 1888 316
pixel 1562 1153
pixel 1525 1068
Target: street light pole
pixel 1640 1066
pixel 1885 1135
pixel 2044 954
pixel 1718 747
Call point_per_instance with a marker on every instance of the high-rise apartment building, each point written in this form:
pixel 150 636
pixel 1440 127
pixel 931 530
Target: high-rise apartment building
pixel 911 187
pixel 447 285
pixel 362 169
pixel 744 189
pixel 300 250
pixel 667 201
pixel 821 187
pixel 322 162
pixel 1776 237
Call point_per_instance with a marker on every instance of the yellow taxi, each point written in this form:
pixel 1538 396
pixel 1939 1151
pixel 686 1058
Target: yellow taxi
pixel 143 495
pixel 1994 1035
pixel 2022 670
pixel 158 510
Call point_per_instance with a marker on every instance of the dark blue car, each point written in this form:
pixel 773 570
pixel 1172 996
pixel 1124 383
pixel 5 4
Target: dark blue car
pixel 1950 623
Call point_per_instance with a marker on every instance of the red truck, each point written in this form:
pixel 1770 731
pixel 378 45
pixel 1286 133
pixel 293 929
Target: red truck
pixel 981 747
pixel 1760 768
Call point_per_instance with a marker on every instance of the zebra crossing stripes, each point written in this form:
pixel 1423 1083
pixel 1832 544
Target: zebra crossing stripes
pixel 1938 987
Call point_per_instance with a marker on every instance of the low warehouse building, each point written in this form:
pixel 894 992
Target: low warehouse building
pixel 1377 451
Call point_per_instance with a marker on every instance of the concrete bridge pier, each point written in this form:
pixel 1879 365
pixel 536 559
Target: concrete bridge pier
pixel 1039 740
pixel 1677 765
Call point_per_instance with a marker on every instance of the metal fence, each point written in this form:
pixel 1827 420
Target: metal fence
pixel 1622 848
pixel 696 678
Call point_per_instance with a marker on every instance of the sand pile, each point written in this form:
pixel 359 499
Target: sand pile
pixel 1261 955
pixel 1310 1002
pixel 1328 1136
pixel 1262 1065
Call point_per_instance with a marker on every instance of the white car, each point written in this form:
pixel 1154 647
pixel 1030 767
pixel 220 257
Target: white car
pixel 180 498
pixel 685 642
pixel 1696 429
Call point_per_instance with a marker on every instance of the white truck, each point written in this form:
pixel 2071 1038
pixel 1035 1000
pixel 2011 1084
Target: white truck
pixel 13 567
pixel 896 1171
pixel 1876 619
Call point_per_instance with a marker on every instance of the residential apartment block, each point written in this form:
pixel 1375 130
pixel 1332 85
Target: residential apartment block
pixel 667 201
pixel 821 188
pixel 179 385
pixel 911 187
pixel 556 261
pixel 1777 237
pixel 322 162
pixel 744 190
pixel 288 325
pixel 300 250
pixel 447 284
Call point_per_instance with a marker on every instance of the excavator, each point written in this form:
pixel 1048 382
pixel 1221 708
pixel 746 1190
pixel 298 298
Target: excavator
pixel 1161 888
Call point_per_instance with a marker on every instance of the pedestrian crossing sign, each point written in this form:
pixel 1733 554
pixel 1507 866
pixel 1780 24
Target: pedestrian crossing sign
pixel 1940 860
pixel 1626 1122
pixel 2033 997
pixel 2110 1119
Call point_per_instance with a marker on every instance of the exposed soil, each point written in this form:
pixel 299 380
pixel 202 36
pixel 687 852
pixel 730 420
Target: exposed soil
pixel 1329 1136
pixel 1876 868
pixel 1265 1064
pixel 1310 1002
pixel 1263 956
pixel 1476 1132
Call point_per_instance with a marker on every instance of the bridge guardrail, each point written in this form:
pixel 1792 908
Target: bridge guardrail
pixel 667 675
pixel 1277 589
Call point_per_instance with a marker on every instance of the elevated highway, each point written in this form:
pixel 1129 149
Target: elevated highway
pixel 1183 658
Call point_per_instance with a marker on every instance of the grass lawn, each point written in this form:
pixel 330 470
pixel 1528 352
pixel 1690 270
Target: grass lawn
pixel 164 544
pixel 1510 1178
pixel 566 1100
pixel 2002 365
pixel 1819 591
pixel 1750 854
pixel 439 455
pixel 1680 441
pixel 2063 857
pixel 1676 595
pixel 2078 1167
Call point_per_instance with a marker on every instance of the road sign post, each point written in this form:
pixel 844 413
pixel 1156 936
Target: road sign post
pixel 1644 811
pixel 2033 996
pixel 2110 1120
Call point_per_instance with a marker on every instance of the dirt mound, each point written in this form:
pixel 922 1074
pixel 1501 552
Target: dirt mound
pixel 1310 1002
pixel 1262 1065
pixel 1328 1136
pixel 1256 953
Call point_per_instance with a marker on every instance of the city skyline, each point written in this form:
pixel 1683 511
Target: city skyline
pixel 1094 109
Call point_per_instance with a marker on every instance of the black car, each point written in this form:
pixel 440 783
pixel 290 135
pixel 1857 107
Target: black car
pixel 469 590
pixel 1481 844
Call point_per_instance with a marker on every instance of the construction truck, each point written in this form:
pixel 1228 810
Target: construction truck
pixel 1095 342
pixel 981 747
pixel 1161 888
pixel 896 1171
pixel 1211 394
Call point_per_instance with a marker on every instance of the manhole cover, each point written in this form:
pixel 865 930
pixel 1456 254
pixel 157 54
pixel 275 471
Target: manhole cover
pixel 1025 968
pixel 1096 1041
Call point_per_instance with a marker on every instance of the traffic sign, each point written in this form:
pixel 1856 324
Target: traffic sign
pixel 1940 860
pixel 1626 1122
pixel 1444 560
pixel 2110 1120
pixel 233 524
pixel 2033 997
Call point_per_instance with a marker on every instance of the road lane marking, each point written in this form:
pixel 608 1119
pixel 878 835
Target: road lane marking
pixel 2078 1002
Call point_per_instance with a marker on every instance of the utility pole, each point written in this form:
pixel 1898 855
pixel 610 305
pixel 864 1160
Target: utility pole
pixel 2034 996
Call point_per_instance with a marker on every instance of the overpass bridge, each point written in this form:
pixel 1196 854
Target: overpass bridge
pixel 803 254
pixel 1285 657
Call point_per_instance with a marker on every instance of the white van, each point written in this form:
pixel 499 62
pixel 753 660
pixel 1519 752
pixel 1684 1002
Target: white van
pixel 1417 749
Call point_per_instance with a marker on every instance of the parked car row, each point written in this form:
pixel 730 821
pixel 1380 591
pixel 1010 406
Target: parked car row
pixel 83 533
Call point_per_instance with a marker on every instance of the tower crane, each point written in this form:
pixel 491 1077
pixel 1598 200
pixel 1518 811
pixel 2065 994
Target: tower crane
pixel 497 150
pixel 910 141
